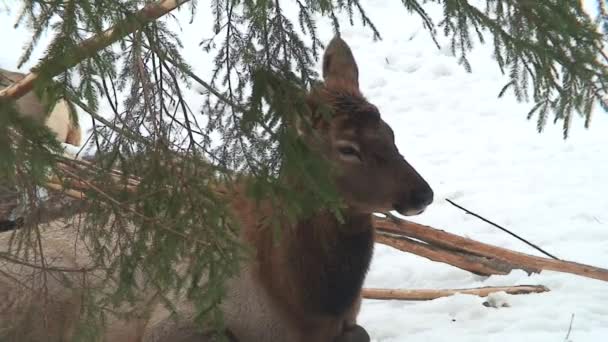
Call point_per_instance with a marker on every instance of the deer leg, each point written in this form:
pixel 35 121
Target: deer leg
pixel 350 319
pixel 190 334
pixel 351 331
pixel 170 330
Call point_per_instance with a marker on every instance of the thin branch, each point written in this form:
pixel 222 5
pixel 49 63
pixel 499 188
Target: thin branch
pixel 504 230
pixel 104 121
pixel 569 329
pixel 200 81
pixel 45 267
pixel 121 205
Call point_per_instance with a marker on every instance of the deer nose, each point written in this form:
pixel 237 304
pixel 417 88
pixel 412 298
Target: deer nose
pixel 415 202
pixel 423 197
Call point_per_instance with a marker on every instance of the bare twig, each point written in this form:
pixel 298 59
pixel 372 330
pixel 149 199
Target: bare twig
pixel 430 294
pixel 567 339
pixel 503 229
pixel 201 82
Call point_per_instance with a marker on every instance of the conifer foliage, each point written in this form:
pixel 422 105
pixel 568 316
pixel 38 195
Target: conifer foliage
pixel 551 50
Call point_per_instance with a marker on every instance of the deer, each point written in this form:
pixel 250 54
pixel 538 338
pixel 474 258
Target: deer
pixel 306 285
pixel 60 119
pixel 296 290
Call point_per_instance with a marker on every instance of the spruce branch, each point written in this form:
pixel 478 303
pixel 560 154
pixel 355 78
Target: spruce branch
pixel 46 268
pixel 90 47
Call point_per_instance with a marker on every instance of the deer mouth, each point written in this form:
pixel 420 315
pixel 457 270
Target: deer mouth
pixel 415 202
pixel 405 211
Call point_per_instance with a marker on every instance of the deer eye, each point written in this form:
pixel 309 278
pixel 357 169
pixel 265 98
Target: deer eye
pixel 349 151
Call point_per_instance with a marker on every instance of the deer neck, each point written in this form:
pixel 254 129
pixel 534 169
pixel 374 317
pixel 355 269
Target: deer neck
pixel 319 265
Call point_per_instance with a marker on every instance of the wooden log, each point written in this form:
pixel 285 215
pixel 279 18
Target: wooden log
pixel 430 294
pixel 472 263
pixel 67 191
pixel 454 242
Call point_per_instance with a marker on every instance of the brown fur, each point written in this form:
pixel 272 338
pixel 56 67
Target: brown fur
pixel 307 285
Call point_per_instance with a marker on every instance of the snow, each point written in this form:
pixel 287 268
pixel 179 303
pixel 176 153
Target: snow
pixel 481 152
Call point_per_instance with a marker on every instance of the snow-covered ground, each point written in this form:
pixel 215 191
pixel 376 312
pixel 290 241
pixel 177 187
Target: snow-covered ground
pixel 481 152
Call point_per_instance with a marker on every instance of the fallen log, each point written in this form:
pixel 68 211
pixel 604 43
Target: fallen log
pixel 473 263
pixel 451 242
pixel 430 294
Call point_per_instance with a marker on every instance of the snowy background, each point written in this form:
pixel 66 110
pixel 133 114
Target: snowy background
pixel 479 151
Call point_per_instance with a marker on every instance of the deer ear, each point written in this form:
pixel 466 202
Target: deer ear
pixel 309 119
pixel 339 63
pixel 315 116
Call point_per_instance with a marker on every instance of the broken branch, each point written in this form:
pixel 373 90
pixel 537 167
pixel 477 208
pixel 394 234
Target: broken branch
pixel 473 263
pixel 453 242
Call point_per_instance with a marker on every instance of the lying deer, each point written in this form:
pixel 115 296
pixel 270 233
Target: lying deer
pixel 307 286
pixel 298 290
pixel 60 118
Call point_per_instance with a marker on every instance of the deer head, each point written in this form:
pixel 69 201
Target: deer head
pixel 370 173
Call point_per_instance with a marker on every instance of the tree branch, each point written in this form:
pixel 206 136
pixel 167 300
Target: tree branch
pixel 91 46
